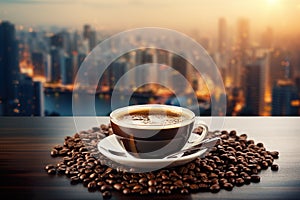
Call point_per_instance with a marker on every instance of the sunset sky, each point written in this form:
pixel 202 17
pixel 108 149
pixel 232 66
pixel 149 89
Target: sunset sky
pixel 202 15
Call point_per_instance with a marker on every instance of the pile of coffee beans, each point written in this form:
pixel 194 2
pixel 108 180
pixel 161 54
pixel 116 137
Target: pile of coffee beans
pixel 234 161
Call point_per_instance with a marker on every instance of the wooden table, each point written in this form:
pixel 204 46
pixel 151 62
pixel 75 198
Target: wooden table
pixel 25 145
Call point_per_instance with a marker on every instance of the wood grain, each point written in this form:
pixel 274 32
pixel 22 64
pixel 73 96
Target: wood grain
pixel 25 145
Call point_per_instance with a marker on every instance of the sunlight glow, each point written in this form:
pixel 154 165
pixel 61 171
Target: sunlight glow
pixel 272 2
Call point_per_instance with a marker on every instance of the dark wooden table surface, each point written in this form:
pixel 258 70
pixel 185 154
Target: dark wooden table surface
pixel 25 145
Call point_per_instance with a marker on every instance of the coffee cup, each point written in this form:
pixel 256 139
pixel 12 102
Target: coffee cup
pixel 153 131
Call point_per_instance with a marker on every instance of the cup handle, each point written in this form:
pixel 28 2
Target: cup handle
pixel 202 135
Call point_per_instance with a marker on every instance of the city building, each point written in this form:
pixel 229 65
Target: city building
pixel 277 69
pixel 19 94
pixel 222 36
pixel 30 97
pixel 9 69
pixel 243 40
pixel 117 70
pixel 143 56
pixel 241 53
pixel 256 86
pixel 267 39
pixel 285 99
pixel 90 36
pixel 57 64
pixel 163 57
pixel 253 89
pixel 39 64
pixel 179 64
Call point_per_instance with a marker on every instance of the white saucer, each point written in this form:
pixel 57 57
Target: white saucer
pixel 111 143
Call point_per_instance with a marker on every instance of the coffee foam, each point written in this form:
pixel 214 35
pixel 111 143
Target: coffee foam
pixel 153 116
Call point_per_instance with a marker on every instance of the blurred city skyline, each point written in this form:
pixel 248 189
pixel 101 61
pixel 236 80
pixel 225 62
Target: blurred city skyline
pixel 186 16
pixel 255 45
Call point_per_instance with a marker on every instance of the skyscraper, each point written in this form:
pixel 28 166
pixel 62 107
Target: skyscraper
pixel 243 40
pixel 117 70
pixel 90 36
pixel 86 31
pixel 163 57
pixel 179 64
pixel 241 50
pixel 9 68
pixel 267 38
pixel 19 95
pixel 92 40
pixel 30 97
pixel 62 40
pixel 143 56
pixel 67 70
pixel 253 89
pixel 39 63
pixel 283 97
pixel 222 35
pixel 57 64
pixel 221 56
pixel 256 86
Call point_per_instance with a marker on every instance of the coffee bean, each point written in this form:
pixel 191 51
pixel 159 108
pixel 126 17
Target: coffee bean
pixel 51 171
pixel 173 187
pixel 106 195
pixel 152 182
pixel 86 181
pixel 167 182
pixel 255 178
pixel 152 190
pixel 118 186
pixel 74 173
pixel 126 191
pixel 232 133
pixel 61 170
pixel 164 177
pixel 274 154
pixel 230 174
pixel 138 187
pixel 93 175
pixel 203 187
pixel 194 187
pixel 228 186
pixel 54 152
pixel 143 180
pixel 100 183
pixel 92 186
pixel 160 191
pixel 178 183
pixel 239 182
pixel 264 165
pixel 184 191
pixel 260 144
pixel 49 166
pixel 233 161
pixel 143 192
pixel 106 187
pixel 110 181
pixel 274 167
pixel 231 180
pixel 82 176
pixel 247 180
pixel 75 180
pixel 63 152
pixel 215 188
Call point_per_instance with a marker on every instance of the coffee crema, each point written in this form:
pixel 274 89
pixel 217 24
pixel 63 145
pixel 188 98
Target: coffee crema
pixel 150 117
